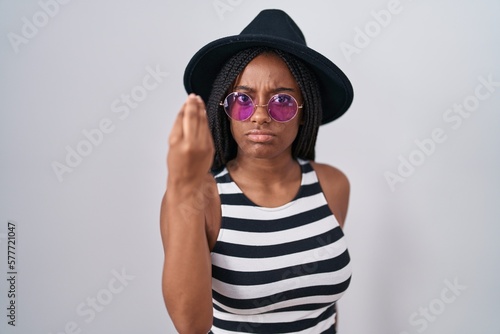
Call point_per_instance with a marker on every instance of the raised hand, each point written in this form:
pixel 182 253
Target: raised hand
pixel 191 149
pixel 187 279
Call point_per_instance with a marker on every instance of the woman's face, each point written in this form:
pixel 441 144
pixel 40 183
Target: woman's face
pixel 260 136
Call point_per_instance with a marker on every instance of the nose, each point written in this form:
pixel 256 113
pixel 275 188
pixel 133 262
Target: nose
pixel 260 114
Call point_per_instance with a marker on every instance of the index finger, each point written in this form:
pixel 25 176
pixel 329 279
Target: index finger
pixel 191 120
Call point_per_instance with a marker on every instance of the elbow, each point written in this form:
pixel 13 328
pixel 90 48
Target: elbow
pixel 193 328
pixel 200 325
pixel 191 319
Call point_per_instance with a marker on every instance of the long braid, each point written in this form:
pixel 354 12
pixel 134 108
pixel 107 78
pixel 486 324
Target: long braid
pixel 225 146
pixel 304 145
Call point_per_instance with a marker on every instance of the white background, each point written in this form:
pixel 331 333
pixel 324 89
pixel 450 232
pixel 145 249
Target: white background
pixel 75 234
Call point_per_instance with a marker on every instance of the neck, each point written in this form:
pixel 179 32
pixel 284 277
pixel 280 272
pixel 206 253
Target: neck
pixel 264 171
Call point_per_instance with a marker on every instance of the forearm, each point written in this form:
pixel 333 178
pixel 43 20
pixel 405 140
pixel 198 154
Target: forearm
pixel 187 274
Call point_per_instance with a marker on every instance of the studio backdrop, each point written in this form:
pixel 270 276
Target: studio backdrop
pixel 88 94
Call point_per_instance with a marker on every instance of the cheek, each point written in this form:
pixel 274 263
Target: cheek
pixel 236 130
pixel 295 132
pixel 295 124
pixel 232 128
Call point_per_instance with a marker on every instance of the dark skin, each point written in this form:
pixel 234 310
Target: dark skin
pixel 263 168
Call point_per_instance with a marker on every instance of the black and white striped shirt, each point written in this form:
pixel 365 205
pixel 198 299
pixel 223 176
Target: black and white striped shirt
pixel 278 270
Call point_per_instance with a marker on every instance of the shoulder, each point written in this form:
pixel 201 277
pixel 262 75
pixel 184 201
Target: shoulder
pixel 331 177
pixel 336 188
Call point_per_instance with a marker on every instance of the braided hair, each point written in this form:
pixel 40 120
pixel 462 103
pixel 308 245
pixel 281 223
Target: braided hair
pixel 225 146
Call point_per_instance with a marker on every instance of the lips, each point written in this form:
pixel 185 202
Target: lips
pixel 260 136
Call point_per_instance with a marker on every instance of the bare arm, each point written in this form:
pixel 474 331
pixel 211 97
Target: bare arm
pixel 336 188
pixel 186 283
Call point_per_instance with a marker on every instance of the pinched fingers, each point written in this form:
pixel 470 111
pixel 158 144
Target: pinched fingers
pixel 191 128
pixel 191 145
pixel 187 122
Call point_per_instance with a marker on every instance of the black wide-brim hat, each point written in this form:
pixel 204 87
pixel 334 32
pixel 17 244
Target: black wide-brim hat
pixel 275 29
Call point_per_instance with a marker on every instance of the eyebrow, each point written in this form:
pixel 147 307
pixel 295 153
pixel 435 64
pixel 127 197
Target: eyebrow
pixel 275 90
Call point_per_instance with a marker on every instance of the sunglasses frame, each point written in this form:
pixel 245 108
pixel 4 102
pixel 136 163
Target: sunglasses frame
pixel 255 106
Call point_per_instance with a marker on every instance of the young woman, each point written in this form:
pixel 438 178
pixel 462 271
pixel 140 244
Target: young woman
pixel 251 225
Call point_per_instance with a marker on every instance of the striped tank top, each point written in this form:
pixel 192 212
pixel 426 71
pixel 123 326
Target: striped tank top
pixel 277 270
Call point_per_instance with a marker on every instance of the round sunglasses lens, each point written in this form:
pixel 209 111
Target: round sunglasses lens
pixel 238 106
pixel 282 107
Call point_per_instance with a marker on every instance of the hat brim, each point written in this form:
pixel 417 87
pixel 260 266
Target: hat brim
pixel 335 88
